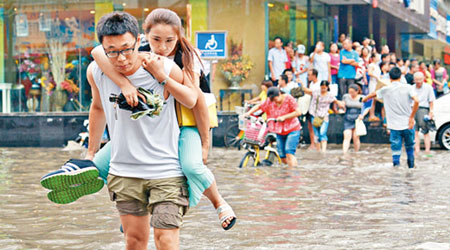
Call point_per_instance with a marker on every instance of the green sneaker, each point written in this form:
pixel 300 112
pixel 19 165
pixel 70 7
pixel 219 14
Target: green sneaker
pixel 71 173
pixel 73 193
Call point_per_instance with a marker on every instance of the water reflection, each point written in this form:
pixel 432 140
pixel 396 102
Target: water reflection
pixel 329 202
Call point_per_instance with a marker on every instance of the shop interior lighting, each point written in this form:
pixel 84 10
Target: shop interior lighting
pixel 270 5
pixel 124 4
pixel 92 11
pixel 146 9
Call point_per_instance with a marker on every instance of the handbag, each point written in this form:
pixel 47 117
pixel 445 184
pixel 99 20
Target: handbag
pixel 360 128
pixel 297 92
pixel 317 121
pixel 186 117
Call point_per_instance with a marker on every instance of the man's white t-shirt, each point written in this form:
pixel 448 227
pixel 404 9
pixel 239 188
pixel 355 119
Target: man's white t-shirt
pixel 320 63
pixel 146 148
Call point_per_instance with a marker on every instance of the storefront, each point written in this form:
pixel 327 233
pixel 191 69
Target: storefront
pixel 45 49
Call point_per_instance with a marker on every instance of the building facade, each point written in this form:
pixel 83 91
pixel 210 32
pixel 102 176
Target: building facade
pixel 46 44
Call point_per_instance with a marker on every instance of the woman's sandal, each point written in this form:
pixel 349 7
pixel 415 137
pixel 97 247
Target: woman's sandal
pixel 223 209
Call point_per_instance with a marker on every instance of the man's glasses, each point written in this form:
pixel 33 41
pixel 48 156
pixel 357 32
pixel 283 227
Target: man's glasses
pixel 124 52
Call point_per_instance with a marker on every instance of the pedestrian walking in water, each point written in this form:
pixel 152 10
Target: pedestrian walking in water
pixel 397 98
pixel 284 109
pixel 320 104
pixel 354 110
pixel 426 97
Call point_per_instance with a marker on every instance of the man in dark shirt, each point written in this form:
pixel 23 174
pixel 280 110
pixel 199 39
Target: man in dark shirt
pixel 410 75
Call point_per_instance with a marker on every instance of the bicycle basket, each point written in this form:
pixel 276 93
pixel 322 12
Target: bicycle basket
pixel 255 133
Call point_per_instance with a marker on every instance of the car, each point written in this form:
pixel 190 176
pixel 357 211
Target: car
pixel 442 120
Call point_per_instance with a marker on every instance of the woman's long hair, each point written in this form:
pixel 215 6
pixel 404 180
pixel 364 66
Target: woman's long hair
pixel 166 16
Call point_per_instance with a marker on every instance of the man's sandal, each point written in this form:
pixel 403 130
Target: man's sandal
pixel 228 214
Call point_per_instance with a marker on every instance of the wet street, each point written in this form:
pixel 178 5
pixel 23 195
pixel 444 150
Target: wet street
pixel 328 202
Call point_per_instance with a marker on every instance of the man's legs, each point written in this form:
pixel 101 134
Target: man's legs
pixel 417 146
pixel 396 146
pixel 408 135
pixel 167 239
pixel 427 140
pixel 311 132
pixel 136 230
pixel 342 87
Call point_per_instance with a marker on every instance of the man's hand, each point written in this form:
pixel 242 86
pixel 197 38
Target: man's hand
pixel 411 123
pixel 361 117
pixel 273 78
pixel 431 115
pixel 131 95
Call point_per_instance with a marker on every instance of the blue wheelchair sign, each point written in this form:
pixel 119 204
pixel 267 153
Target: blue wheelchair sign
pixel 213 45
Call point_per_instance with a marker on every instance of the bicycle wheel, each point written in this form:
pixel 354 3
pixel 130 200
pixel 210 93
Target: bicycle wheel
pixel 247 160
pixel 231 137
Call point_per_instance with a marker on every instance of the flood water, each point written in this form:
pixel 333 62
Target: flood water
pixel 328 202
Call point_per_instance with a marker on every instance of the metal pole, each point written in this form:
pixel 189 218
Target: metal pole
pixel 308 16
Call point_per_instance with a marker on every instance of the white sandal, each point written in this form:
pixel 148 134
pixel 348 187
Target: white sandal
pixel 230 214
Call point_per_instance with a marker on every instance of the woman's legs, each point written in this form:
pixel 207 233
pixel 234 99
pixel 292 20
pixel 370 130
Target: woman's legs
pixel 291 146
pixel 323 136
pixel 200 178
pixel 347 139
pixel 356 141
pixel 102 159
pixel 281 148
pixel 316 135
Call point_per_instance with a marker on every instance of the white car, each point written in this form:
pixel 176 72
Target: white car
pixel 442 121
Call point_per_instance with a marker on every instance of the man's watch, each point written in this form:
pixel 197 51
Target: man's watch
pixel 164 81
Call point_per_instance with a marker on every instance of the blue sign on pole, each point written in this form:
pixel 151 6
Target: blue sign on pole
pixel 212 44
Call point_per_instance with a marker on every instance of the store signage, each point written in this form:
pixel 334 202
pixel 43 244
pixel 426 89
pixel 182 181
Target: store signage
pixel 212 44
pixel 21 25
pixel 447 33
pixel 446 59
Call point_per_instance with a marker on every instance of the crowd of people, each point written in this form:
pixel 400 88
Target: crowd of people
pixel 339 81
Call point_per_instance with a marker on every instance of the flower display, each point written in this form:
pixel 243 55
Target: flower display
pixel 237 67
pixel 70 86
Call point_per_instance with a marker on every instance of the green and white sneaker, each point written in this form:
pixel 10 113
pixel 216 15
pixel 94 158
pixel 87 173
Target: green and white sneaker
pixel 73 193
pixel 73 172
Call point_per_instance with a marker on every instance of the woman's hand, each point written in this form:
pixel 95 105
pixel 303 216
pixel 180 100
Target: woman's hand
pixel 280 119
pixel 360 117
pixel 155 65
pixel 205 151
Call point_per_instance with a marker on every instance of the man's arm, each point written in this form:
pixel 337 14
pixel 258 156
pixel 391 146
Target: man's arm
pixel 431 113
pixel 329 72
pixel 413 113
pixel 272 73
pixel 128 90
pixel 97 118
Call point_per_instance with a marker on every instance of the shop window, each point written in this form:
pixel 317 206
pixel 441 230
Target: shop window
pixel 47 45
